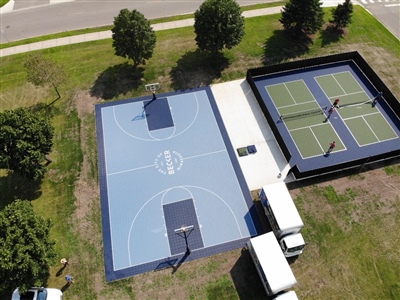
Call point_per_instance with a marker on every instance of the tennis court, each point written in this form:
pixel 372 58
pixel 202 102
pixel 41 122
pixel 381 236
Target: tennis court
pixel 304 118
pixel 358 111
pixel 166 164
pixel 297 100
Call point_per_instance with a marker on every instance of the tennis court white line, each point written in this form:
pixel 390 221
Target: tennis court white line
pixel 356 117
pixel 373 132
pixel 316 139
pixel 355 93
pixel 289 93
pixel 280 83
pixel 355 80
pixel 338 83
pixel 305 127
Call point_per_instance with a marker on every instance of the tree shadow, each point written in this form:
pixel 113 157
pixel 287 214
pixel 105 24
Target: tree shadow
pixel 14 186
pixel 197 68
pixel 331 35
pixel 283 46
pixel 46 110
pixel 117 80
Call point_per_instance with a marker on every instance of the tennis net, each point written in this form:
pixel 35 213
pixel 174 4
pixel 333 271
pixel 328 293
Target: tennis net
pixel 358 103
pixel 303 113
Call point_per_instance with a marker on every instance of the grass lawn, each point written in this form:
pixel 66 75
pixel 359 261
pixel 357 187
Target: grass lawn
pixel 351 222
pixel 3 2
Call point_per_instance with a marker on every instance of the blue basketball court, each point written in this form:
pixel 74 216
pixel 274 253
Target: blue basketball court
pixel 165 164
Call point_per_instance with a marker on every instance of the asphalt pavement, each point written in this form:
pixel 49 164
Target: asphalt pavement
pixel 182 23
pixel 107 34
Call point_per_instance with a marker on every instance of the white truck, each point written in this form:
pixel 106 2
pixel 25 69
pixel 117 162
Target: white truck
pixel 284 218
pixel 272 266
pixel 291 295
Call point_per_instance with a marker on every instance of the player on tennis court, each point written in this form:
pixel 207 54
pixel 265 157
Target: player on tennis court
pixel 331 146
pixel 330 112
pixel 336 103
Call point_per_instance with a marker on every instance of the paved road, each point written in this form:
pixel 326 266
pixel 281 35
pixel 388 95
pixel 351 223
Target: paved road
pixel 387 12
pixel 21 19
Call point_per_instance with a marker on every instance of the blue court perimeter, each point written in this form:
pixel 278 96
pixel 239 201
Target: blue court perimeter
pixel 165 164
pixel 352 149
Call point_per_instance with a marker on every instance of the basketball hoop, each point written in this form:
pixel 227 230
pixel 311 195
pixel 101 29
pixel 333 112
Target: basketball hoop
pixel 186 230
pixel 152 87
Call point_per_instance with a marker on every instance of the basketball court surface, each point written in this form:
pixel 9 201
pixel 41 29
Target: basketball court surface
pixel 166 164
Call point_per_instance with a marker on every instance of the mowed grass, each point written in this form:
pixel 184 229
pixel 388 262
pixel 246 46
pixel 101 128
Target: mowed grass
pixel 350 243
pixel 93 69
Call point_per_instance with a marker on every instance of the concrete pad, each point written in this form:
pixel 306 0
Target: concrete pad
pixel 246 125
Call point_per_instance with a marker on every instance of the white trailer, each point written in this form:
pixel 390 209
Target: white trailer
pixel 272 266
pixel 287 296
pixel 284 218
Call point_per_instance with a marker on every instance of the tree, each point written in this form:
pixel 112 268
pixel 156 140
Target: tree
pixel 43 71
pixel 342 15
pixel 25 140
pixel 27 251
pixel 133 36
pixel 301 17
pixel 218 24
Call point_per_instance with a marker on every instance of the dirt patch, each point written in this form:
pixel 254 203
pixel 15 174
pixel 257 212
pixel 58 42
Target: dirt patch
pixel 86 188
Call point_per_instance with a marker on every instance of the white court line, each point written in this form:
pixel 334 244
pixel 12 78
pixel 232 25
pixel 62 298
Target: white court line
pixel 338 83
pixel 305 127
pixel 373 132
pixel 317 139
pixel 195 209
pixel 131 170
pixel 355 93
pixel 356 117
pixel 289 93
pixel 205 154
pixel 355 80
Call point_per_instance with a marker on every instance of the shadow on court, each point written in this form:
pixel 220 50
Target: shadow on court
pixel 117 80
pixel 197 68
pixel 281 47
pixel 173 264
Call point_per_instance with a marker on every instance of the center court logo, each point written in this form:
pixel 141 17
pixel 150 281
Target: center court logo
pixel 168 162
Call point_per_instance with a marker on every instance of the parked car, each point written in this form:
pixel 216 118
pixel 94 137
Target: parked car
pixel 38 293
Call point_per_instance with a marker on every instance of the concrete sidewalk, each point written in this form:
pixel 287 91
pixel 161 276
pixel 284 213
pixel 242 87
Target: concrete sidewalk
pixel 107 34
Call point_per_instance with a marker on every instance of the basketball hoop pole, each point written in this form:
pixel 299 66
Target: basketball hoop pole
pixel 187 244
pixel 186 230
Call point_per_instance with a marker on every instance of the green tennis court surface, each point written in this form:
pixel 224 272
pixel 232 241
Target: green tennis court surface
pixel 304 118
pixel 358 111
